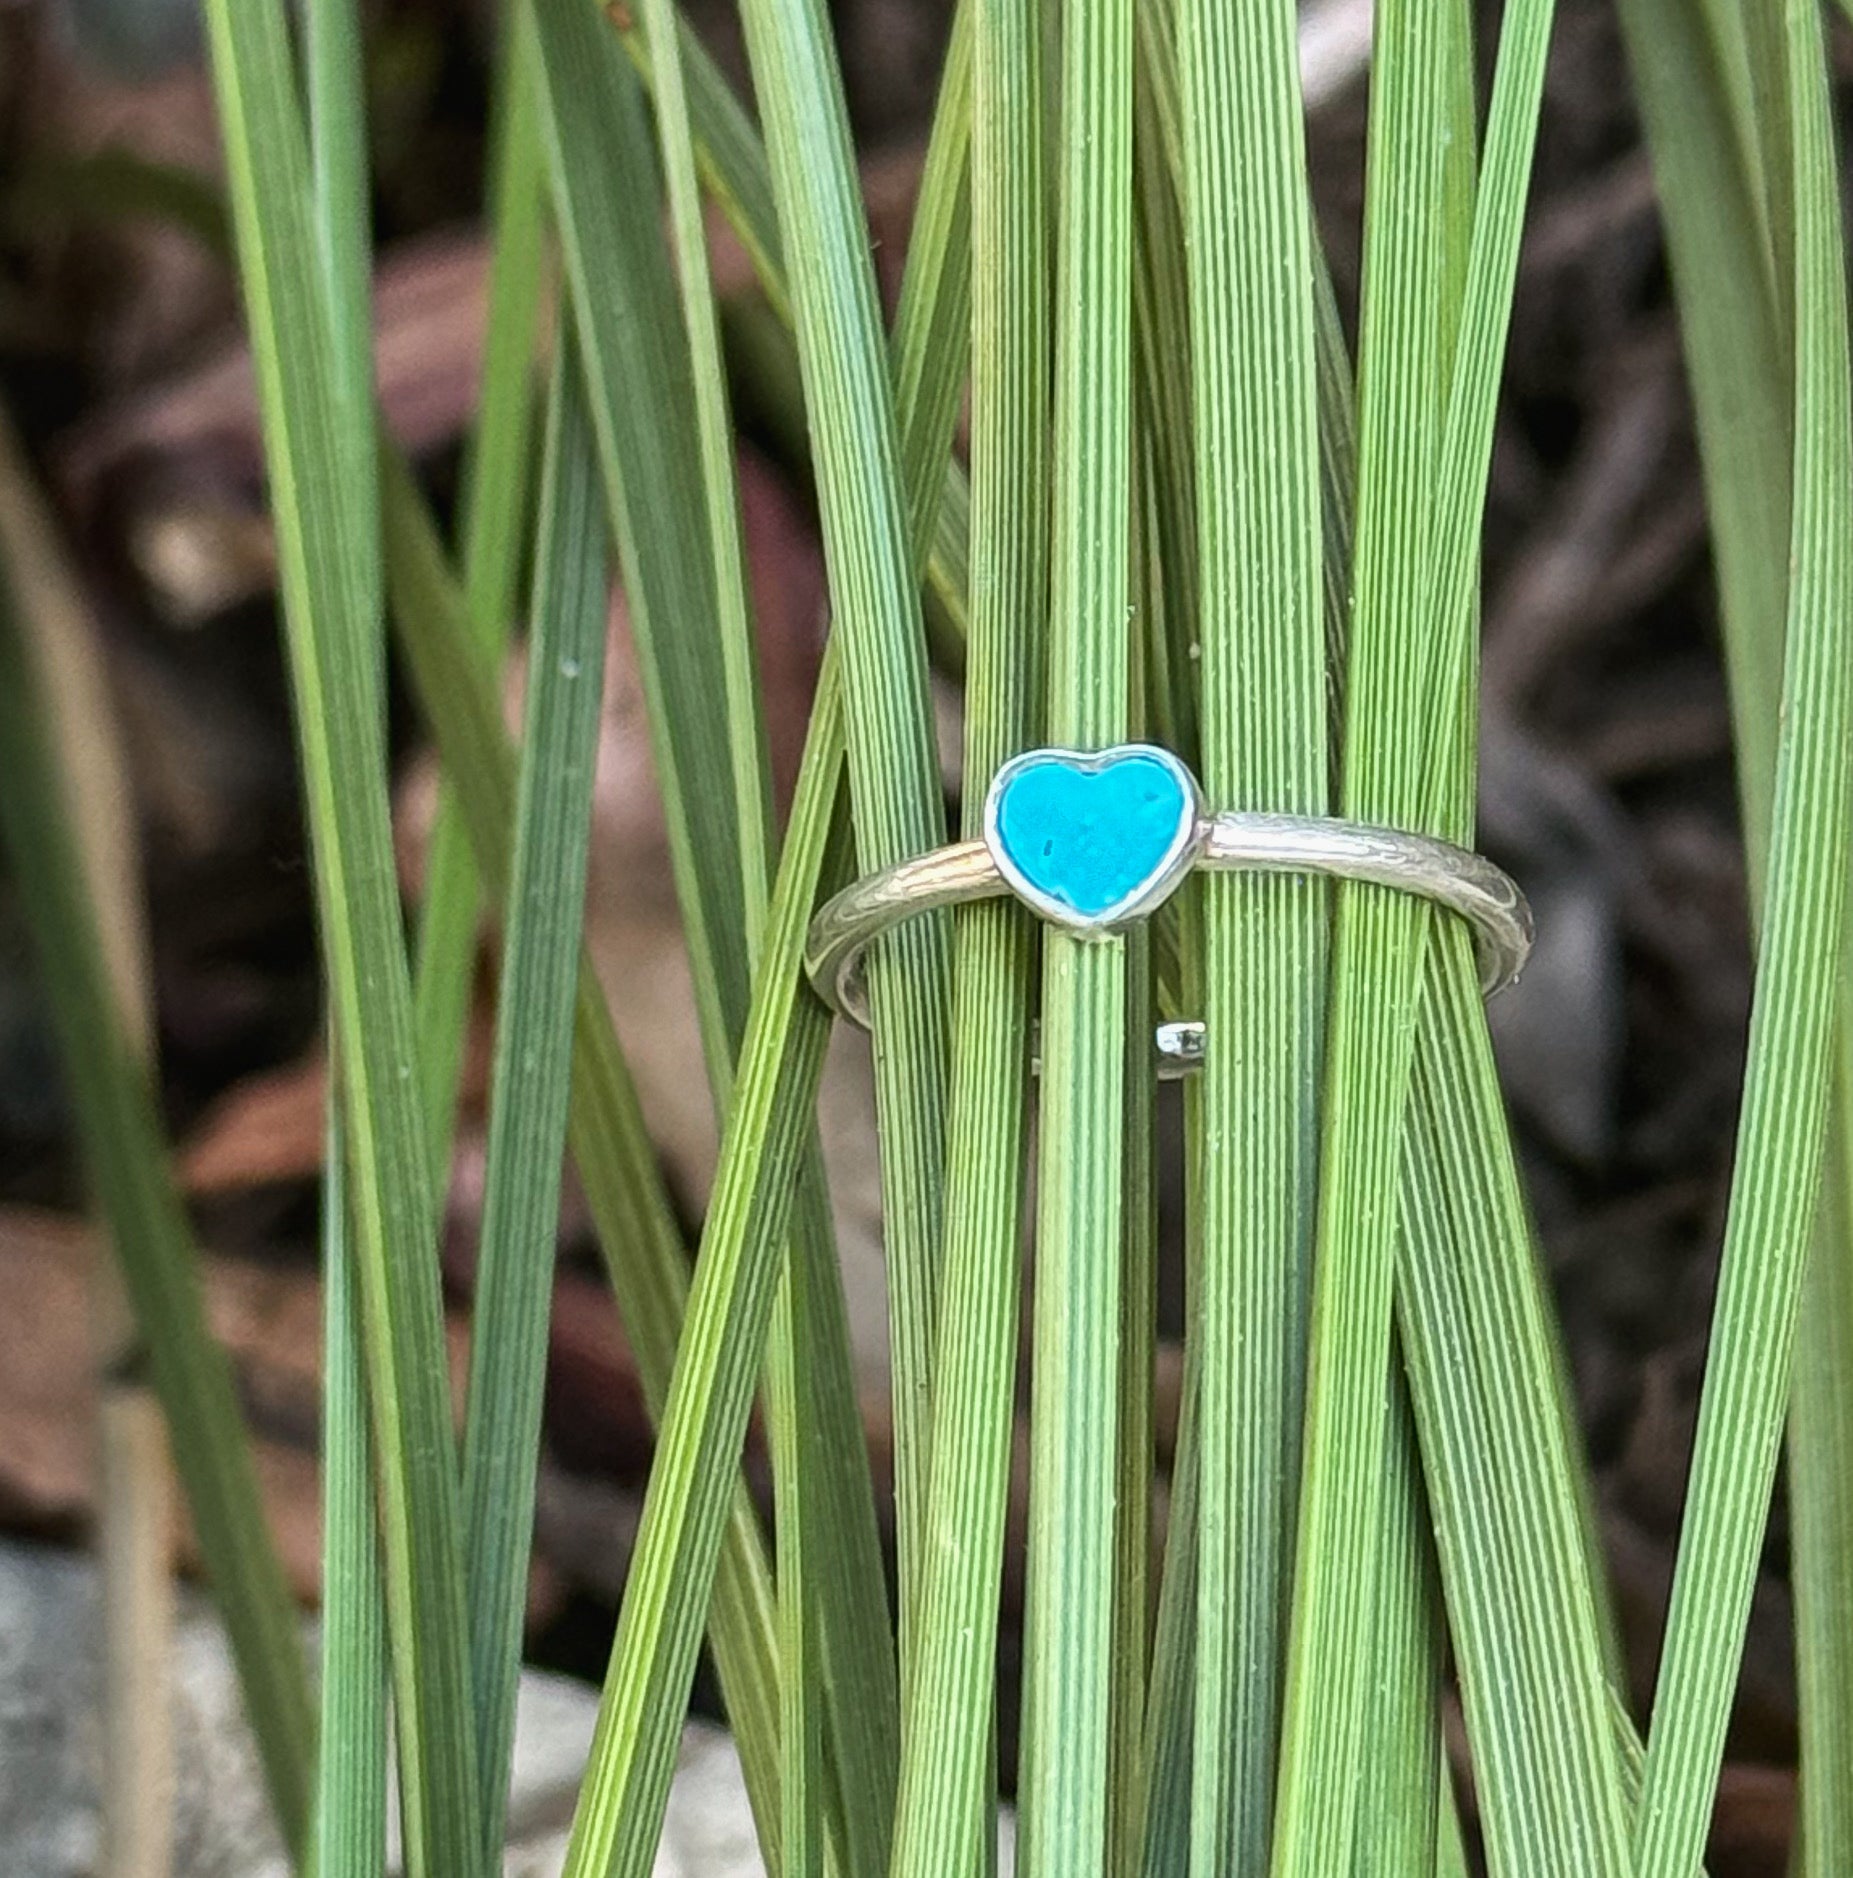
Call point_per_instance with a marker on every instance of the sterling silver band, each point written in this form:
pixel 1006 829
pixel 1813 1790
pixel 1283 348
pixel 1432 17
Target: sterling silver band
pixel 1234 841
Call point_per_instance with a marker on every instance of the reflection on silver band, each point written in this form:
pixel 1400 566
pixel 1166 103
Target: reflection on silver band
pixel 1465 883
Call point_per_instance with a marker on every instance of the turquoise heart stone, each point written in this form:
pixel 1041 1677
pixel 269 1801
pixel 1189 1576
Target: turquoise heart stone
pixel 1088 837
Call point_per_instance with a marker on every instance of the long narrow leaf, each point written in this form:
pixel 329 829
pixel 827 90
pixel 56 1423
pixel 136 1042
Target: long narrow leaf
pixel 928 356
pixel 1782 1130
pixel 495 517
pixel 607 1135
pixel 1377 952
pixel 638 391
pixel 1734 323
pixel 1499 1457
pixel 1264 747
pixel 1404 1780
pixel 1070 1616
pixel 351 1773
pixel 803 1530
pixel 1548 1765
pixel 530 1076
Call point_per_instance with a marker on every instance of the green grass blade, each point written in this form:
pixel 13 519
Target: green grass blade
pixel 1161 125
pixel 494 531
pixel 649 1676
pixel 335 73
pixel 1451 1859
pixel 1170 1711
pixel 1160 172
pixel 1781 1132
pixel 495 512
pixel 929 352
pixel 334 663
pixel 351 1773
pixel 495 517
pixel 1163 396
pixel 734 169
pixel 1544 1760
pixel 892 766
pixel 1742 394
pixel 856 1657
pixel 1558 1576
pixel 1377 953
pixel 1135 1592
pixel 1477 335
pixel 728 152
pixel 1068 1724
pixel 944 1811
pixel 531 1072
pixel 1264 746
pixel 125 1160
pixel 714 436
pixel 335 88
pixel 1338 477
pixel 1535 1456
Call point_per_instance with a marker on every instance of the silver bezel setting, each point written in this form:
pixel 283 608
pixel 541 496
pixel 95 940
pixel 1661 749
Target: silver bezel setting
pixel 1180 854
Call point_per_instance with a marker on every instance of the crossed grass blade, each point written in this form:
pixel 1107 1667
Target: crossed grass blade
pixel 1736 311
pixel 1781 1134
pixel 1549 1763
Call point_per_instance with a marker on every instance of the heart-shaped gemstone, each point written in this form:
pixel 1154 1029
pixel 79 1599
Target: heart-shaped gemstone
pixel 1092 839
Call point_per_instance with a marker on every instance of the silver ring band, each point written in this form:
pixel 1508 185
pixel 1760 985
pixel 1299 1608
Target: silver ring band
pixel 1234 841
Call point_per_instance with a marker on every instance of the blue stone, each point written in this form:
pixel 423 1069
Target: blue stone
pixel 1090 835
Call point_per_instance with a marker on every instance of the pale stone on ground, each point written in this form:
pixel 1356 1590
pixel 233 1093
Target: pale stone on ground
pixel 50 1749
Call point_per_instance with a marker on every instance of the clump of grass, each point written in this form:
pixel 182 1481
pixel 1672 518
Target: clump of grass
pixel 1188 516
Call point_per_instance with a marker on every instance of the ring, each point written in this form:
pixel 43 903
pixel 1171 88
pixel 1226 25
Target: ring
pixel 1095 840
